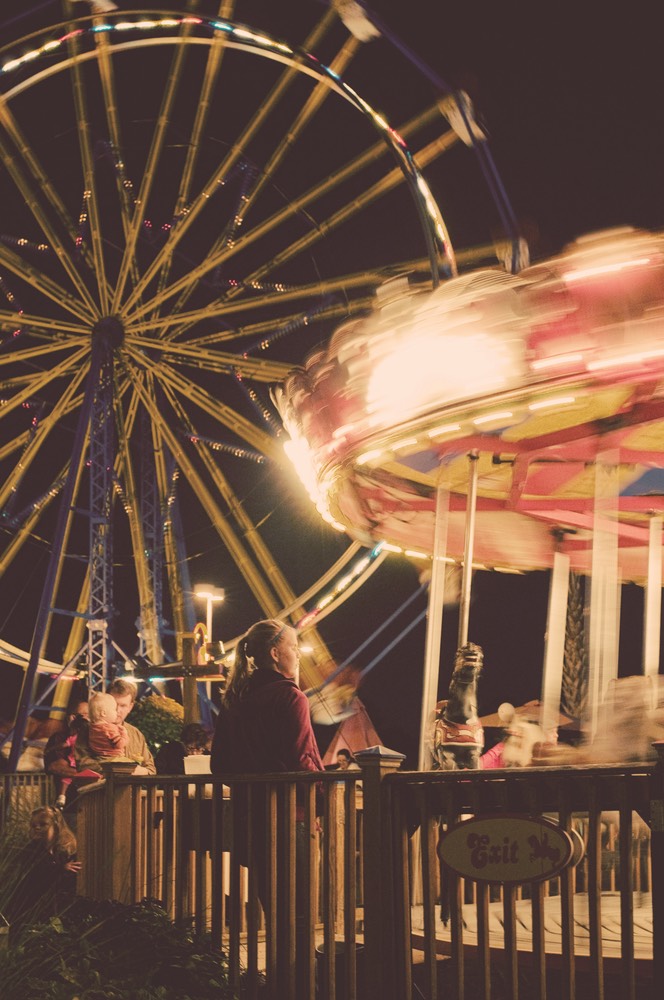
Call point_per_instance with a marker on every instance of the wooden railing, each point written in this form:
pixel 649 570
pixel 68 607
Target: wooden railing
pixel 21 793
pixel 187 842
pixel 335 879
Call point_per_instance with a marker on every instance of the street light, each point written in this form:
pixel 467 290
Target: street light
pixel 212 595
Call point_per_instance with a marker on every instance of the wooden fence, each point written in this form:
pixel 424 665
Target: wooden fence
pixel 331 885
pixel 21 793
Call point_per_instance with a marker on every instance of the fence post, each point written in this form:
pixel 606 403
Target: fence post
pixel 657 864
pixel 118 830
pixel 376 763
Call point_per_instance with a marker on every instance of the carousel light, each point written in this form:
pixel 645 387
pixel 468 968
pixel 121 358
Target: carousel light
pixel 443 430
pixel 406 443
pixel 553 403
pixel 427 366
pixel 414 554
pixel 391 548
pixel 337 525
pixel 618 360
pixel 492 418
pixel 557 361
pixel 369 456
pixel 581 273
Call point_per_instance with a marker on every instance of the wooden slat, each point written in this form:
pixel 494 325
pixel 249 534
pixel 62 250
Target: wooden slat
pixel 350 889
pixel 402 890
pixel 594 851
pixel 271 886
pixel 454 899
pixel 329 892
pixel 482 916
pixel 428 833
pixel 625 843
pixel 307 874
pixel 217 858
pixel 234 898
pixel 567 985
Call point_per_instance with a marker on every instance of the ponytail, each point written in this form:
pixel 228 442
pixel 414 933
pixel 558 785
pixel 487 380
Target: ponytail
pixel 252 652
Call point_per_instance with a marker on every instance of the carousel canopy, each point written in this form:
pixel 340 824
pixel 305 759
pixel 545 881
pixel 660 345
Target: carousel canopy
pixel 552 380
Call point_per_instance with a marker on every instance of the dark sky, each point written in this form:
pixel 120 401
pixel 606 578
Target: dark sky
pixel 571 96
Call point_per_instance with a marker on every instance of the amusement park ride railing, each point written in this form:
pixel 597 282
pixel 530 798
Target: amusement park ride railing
pixel 373 912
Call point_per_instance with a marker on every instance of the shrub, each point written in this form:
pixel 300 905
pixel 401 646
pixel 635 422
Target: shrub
pixel 159 718
pixel 103 950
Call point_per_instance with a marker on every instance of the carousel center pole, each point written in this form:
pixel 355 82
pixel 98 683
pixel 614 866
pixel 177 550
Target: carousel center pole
pixel 604 588
pixel 653 600
pixel 469 544
pixel 554 653
pixel 434 633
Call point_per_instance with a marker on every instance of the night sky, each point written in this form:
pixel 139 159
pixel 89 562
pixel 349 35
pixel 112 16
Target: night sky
pixel 572 99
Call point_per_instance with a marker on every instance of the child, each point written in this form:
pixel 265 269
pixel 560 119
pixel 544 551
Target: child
pixel 45 872
pixel 105 736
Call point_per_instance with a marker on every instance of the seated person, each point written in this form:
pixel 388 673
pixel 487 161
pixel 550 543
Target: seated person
pixel 106 736
pixel 193 741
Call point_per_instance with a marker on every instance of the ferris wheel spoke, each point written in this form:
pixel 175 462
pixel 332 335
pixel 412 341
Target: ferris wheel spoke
pixel 164 490
pixel 196 356
pixel 212 70
pixel 130 501
pixel 70 364
pixel 30 354
pixel 320 92
pixel 37 279
pixel 221 253
pixel 76 636
pixel 215 408
pixel 15 443
pixel 107 78
pixel 256 582
pixel 193 210
pixel 150 171
pixel 46 426
pixel 349 211
pixel 89 185
pixel 9 320
pixel 270 329
pixel 31 187
pixel 221 306
pixel 246 526
pixel 22 530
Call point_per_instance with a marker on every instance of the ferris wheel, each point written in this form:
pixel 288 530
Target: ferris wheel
pixel 192 200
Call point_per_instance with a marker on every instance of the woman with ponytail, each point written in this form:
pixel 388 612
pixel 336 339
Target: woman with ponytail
pixel 264 725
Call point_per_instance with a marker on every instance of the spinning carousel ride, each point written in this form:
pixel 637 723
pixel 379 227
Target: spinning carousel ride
pixel 511 422
pixel 188 200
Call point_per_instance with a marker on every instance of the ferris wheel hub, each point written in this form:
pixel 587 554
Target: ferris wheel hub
pixel 111 330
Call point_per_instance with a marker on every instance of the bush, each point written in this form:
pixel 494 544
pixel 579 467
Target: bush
pixel 159 718
pixel 103 950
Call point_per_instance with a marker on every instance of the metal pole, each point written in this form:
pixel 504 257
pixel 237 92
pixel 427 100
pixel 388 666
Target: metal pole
pixel 467 577
pixel 653 600
pixel 208 624
pixel 50 582
pixel 604 585
pixel 554 652
pixel 434 625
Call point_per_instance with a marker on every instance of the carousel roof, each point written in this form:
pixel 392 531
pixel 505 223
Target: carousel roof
pixel 552 380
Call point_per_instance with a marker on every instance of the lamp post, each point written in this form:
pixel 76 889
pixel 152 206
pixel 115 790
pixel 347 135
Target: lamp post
pixel 212 595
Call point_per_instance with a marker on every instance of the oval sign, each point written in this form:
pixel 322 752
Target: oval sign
pixel 507 848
